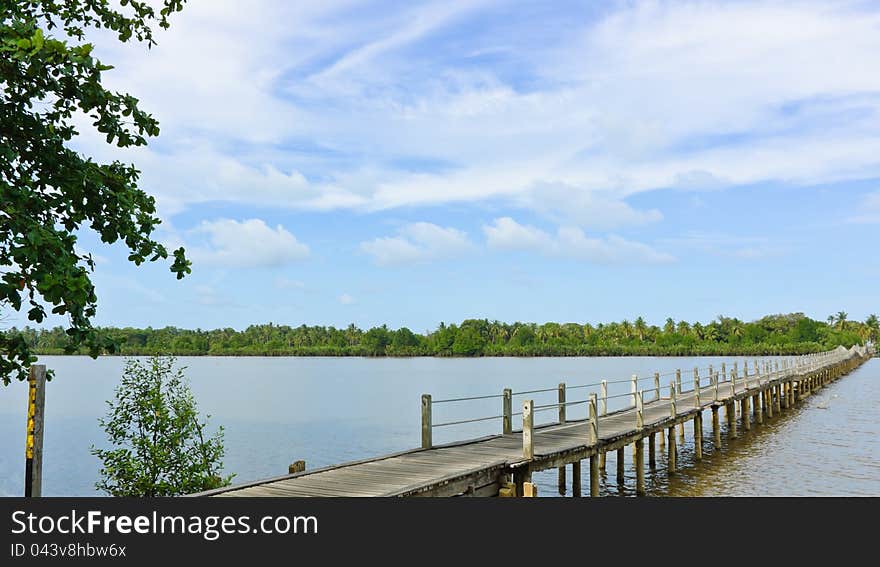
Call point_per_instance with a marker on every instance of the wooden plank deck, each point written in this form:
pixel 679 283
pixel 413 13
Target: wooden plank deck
pixel 482 465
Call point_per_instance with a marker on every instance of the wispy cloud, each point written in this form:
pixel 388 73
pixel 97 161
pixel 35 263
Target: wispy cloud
pixel 728 245
pixel 417 242
pixel 869 211
pixel 507 234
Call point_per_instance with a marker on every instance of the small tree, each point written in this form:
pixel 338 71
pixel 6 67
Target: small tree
pixel 160 448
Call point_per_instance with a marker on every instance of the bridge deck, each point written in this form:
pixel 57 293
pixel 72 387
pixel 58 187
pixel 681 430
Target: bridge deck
pixel 479 466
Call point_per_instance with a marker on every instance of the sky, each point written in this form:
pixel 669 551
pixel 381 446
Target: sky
pixel 409 163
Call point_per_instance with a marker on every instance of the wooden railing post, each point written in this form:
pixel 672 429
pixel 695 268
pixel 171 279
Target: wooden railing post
pixel 561 470
pixel 594 420
pixel 604 390
pixel 697 403
pixel 561 390
pixel 656 385
pixel 732 383
pixel 678 380
pixel 640 407
pixel 715 387
pixel 427 428
pixel 507 411
pixel 634 387
pixel 528 429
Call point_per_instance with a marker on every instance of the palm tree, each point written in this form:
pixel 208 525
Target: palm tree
pixel 841 320
pixel 873 324
pixel 641 328
pixel 669 327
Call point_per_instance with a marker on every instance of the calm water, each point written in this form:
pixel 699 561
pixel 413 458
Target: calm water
pixel 329 410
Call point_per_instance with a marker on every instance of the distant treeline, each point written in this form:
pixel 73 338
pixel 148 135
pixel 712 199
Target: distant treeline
pixel 776 334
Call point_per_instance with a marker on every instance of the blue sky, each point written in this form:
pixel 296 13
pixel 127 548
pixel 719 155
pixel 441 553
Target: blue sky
pixel 415 162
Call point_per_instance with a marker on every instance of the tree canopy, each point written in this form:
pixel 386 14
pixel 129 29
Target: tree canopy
pixel 792 333
pixel 50 80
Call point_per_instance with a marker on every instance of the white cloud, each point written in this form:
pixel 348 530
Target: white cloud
pixel 345 299
pixel 310 106
pixel 869 211
pixel 507 234
pixel 417 242
pixel 246 244
pixel 572 242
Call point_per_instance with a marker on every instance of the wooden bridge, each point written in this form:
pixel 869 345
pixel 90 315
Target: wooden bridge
pixel 502 465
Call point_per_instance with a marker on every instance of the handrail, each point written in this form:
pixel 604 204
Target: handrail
pixel 768 371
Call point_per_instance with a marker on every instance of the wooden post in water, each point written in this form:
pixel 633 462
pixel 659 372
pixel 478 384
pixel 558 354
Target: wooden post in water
pixel 507 411
pixel 426 421
pixel 778 407
pixel 673 413
pixel 576 478
pixel 716 427
pixel 561 470
pixel 594 439
pixel 33 457
pixel 652 448
pixel 621 478
pixel 731 419
pixel 756 402
pixel 744 413
pixel 528 419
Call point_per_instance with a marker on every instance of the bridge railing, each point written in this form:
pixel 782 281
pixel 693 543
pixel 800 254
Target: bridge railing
pixel 708 384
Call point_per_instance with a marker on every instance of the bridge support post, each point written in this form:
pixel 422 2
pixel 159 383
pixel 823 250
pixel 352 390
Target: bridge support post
pixel 640 467
pixel 698 436
pixel 576 479
pixel 620 463
pixel 744 413
pixel 768 406
pixel 778 401
pixel 594 475
pixel 521 477
pixel 716 428
pixel 756 409
pixel 652 448
pixel 731 419
pixel 602 462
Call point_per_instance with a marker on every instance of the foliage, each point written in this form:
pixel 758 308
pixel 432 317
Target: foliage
pixel 776 334
pixel 49 191
pixel 160 448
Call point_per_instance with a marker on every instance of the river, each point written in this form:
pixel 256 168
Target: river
pixel 329 410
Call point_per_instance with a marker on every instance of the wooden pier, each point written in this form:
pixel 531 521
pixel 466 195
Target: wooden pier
pixel 503 464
